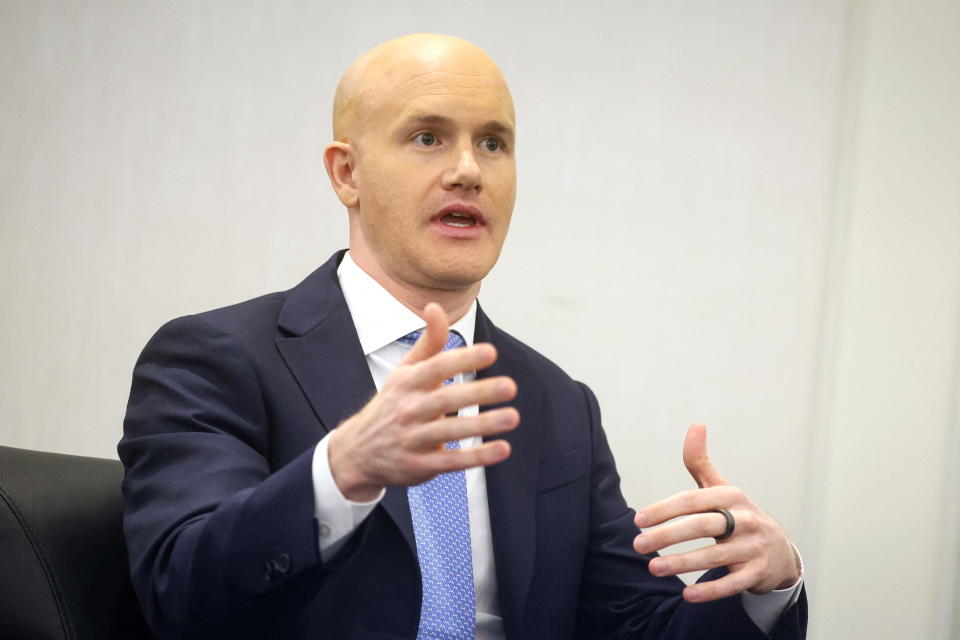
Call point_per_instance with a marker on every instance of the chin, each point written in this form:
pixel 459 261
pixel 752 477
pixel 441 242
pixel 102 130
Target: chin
pixel 458 275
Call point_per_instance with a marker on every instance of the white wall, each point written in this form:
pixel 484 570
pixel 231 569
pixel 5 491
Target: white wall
pixel 885 488
pixel 716 202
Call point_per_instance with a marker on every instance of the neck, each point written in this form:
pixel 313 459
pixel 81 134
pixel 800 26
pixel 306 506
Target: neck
pixel 455 302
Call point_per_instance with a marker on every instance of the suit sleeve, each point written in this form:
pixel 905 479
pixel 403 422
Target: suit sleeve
pixel 620 598
pixel 218 542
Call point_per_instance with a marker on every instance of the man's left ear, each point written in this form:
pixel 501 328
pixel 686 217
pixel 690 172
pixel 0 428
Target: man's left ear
pixel 339 159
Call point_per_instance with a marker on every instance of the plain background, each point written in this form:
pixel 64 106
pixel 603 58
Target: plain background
pixel 741 212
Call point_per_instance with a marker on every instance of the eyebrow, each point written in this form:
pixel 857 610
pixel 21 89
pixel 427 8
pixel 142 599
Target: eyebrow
pixel 429 119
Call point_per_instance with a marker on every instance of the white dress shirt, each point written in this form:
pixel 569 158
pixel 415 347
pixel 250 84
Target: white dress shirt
pixel 380 319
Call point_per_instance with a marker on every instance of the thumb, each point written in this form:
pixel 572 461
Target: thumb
pixel 433 338
pixel 696 460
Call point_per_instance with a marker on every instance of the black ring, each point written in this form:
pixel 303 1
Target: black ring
pixel 731 524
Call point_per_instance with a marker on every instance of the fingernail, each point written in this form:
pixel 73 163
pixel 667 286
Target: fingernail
pixel 641 543
pixel 641 519
pixel 656 566
pixel 693 593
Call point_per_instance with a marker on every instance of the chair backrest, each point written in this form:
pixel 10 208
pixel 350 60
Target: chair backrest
pixel 63 561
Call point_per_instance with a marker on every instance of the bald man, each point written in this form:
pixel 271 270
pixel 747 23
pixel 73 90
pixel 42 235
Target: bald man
pixel 316 464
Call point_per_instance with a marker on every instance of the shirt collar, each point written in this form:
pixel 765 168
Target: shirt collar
pixel 379 317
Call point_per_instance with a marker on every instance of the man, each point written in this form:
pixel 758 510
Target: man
pixel 314 463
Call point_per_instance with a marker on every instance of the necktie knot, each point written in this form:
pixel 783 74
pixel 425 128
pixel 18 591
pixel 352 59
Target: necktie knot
pixel 454 340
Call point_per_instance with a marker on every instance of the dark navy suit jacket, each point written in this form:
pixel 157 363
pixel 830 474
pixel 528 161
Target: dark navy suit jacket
pixel 224 412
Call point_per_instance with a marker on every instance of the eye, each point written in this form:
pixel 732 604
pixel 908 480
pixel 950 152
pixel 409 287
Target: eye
pixel 490 144
pixel 427 139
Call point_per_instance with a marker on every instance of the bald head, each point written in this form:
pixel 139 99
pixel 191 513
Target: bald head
pixel 387 68
pixel 423 159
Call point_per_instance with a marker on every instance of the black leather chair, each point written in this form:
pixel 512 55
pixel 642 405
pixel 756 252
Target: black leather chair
pixel 63 561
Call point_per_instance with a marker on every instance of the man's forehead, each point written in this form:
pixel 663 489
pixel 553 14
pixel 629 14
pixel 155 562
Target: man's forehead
pixel 419 94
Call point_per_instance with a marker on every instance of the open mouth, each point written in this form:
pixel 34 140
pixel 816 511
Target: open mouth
pixel 458 219
pixel 461 219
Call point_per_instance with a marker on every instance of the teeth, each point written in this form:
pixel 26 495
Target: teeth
pixel 468 219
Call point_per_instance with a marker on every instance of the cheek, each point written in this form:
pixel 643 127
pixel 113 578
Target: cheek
pixel 395 192
pixel 503 181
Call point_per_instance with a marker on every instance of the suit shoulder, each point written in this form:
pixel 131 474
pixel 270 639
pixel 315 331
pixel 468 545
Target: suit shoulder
pixel 260 317
pixel 254 317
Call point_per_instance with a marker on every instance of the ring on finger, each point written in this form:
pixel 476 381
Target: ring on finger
pixel 731 524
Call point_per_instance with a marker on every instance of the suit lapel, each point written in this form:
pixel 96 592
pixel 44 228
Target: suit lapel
pixel 512 484
pixel 325 357
pixel 323 353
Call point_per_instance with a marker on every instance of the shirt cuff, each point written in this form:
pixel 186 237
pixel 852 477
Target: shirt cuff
pixel 766 608
pixel 337 517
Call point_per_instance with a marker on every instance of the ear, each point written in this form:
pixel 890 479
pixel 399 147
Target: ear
pixel 340 160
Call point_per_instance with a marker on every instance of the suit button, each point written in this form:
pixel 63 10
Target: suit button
pixel 282 564
pixel 279 566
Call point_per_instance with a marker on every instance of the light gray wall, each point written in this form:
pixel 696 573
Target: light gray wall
pixel 886 487
pixel 744 213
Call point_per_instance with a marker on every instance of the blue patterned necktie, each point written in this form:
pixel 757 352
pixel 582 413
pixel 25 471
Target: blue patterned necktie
pixel 441 525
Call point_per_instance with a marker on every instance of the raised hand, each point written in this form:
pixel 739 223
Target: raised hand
pixel 398 437
pixel 758 554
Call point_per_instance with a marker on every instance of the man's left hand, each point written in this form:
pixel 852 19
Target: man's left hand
pixel 759 555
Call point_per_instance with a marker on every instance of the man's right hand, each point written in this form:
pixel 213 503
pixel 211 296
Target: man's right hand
pixel 398 438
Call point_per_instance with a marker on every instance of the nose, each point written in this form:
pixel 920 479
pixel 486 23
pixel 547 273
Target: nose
pixel 465 174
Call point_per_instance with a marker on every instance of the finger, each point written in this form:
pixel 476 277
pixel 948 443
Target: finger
pixel 709 557
pixel 696 460
pixel 446 460
pixel 452 398
pixel 731 584
pixel 703 525
pixel 687 503
pixel 433 338
pixel 488 423
pixel 432 372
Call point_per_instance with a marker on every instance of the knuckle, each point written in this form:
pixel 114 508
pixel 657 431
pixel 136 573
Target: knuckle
pixel 406 440
pixel 405 412
pixel 763 565
pixel 755 548
pixel 420 467
pixel 691 502
pixel 507 386
pixel 478 456
pixel 652 540
pixel 404 375
pixel 748 522
pixel 429 368
pixel 457 428
pixel 449 461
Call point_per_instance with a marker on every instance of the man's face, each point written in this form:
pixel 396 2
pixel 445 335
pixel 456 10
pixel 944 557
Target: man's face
pixel 436 175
